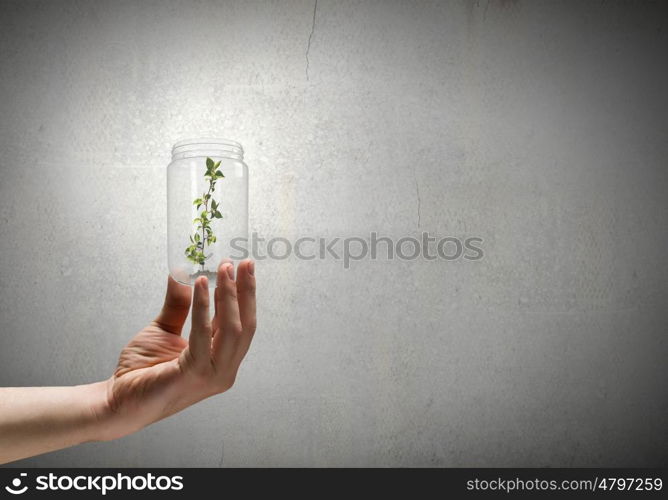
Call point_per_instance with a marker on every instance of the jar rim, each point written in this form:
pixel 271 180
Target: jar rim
pixel 207 146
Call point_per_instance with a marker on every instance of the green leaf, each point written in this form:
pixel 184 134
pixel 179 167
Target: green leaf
pixel 197 237
pixel 207 196
pixel 209 163
pixel 217 215
pixel 217 164
pixel 198 201
pixel 214 205
pixel 219 174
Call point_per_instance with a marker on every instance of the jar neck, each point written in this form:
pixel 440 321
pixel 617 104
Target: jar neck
pixel 222 148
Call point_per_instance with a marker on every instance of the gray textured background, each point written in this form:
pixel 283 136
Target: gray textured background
pixel 538 126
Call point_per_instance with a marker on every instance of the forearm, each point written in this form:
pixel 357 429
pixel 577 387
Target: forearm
pixel 36 420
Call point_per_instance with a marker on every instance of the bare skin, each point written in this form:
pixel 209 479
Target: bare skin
pixel 159 373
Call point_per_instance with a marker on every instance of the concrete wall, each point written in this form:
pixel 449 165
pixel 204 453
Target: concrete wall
pixel 537 126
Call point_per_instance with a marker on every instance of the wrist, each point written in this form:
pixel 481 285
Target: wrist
pixel 99 421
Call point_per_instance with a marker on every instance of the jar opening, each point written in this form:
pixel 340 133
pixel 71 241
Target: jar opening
pixel 225 148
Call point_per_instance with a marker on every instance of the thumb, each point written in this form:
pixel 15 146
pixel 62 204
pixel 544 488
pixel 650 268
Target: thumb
pixel 175 309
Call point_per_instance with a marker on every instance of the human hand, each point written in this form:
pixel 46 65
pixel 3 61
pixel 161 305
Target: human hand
pixel 160 373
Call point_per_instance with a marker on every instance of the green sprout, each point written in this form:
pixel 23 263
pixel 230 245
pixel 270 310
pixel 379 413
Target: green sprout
pixel 203 235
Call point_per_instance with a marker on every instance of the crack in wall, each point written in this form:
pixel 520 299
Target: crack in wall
pixel 310 36
pixel 419 200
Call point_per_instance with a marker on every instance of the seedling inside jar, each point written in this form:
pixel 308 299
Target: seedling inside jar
pixel 203 236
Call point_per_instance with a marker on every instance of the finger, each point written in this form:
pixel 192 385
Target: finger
pixel 229 322
pixel 214 321
pixel 199 341
pixel 175 308
pixel 246 299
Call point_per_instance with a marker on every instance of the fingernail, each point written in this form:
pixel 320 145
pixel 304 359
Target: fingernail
pixel 203 281
pixel 230 270
pixel 251 268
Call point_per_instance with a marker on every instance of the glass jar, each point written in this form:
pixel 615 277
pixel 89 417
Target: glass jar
pixel 207 207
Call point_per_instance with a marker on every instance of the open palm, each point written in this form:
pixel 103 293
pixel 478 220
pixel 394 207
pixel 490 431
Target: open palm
pixel 160 373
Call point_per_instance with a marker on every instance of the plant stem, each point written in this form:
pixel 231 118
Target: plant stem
pixel 206 209
pixel 195 252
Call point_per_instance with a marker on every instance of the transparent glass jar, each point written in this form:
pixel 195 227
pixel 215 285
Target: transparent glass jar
pixel 207 207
